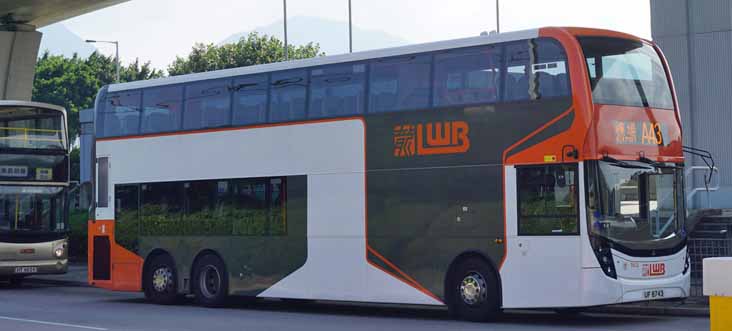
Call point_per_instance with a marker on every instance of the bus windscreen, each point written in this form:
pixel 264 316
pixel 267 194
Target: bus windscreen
pixel 31 128
pixel 626 73
pixel 32 209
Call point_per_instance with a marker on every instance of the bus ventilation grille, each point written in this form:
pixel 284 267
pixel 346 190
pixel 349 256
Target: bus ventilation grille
pixel 102 257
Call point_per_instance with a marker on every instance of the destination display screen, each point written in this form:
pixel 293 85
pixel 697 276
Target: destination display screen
pixel 33 168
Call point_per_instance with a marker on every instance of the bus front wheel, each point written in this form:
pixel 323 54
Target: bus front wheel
pixel 210 281
pixel 472 291
pixel 160 280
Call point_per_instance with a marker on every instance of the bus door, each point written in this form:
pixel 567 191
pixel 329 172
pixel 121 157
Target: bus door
pixel 543 262
pixel 101 229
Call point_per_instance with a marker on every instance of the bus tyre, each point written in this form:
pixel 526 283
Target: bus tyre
pixel 472 291
pixel 210 281
pixel 160 281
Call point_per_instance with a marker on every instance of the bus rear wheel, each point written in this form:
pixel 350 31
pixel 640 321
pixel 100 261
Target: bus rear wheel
pixel 472 291
pixel 160 281
pixel 210 281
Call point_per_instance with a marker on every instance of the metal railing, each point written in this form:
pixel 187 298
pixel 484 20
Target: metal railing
pixel 699 249
pixel 689 173
pixel 30 138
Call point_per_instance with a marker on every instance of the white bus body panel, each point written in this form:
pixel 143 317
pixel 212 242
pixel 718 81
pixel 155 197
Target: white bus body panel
pixel 539 271
pixel 330 153
pixel 562 271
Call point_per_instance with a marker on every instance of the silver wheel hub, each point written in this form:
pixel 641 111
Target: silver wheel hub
pixel 473 289
pixel 209 281
pixel 162 279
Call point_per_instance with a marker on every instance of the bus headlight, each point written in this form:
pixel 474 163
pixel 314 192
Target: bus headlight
pixel 604 257
pixel 687 264
pixel 59 251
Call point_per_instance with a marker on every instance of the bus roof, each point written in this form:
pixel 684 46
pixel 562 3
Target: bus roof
pixel 30 104
pixel 332 59
pixel 365 55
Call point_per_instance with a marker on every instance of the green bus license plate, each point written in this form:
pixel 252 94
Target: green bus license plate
pixel 653 294
pixel 26 270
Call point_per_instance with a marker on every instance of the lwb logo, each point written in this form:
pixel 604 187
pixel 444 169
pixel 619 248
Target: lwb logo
pixel 450 137
pixel 654 269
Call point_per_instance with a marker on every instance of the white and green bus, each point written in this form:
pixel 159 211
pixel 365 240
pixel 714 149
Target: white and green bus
pixel 530 169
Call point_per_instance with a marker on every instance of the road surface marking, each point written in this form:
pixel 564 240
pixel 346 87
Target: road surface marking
pixel 52 323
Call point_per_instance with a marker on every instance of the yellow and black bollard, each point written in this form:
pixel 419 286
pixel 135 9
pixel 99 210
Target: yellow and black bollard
pixel 718 287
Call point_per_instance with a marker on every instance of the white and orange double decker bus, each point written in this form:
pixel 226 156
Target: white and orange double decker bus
pixel 539 168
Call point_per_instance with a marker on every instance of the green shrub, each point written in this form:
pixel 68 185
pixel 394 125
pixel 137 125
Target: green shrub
pixel 78 236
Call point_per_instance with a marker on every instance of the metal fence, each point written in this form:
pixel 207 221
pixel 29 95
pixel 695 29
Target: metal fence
pixel 701 248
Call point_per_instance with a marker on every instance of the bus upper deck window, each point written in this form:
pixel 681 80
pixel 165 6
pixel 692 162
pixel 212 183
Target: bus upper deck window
pixel 467 76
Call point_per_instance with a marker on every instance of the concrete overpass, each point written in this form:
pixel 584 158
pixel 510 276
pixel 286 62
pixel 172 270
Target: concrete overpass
pixel 19 40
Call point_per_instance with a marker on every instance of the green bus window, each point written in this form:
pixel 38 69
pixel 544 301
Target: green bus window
pixel 547 200
pixel 127 216
pixel 260 204
pixel 161 209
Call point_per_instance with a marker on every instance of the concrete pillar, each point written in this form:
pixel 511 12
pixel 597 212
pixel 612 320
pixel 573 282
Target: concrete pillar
pixel 18 53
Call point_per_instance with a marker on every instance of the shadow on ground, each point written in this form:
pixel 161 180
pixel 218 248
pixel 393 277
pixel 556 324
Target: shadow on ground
pixel 516 317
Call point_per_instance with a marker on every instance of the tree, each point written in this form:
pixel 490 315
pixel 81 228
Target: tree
pixel 250 50
pixel 73 82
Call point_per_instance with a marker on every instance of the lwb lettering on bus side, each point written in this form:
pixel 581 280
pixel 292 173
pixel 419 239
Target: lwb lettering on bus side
pixel 450 137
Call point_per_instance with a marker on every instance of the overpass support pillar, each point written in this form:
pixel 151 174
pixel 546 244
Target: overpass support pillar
pixel 19 45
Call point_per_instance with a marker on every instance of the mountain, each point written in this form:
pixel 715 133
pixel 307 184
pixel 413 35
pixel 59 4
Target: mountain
pixel 59 40
pixel 330 34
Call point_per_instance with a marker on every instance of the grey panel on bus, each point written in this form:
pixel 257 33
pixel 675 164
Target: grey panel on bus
pixel 86 121
pixel 103 184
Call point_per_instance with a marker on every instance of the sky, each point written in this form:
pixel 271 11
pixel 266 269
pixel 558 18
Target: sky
pixel 160 30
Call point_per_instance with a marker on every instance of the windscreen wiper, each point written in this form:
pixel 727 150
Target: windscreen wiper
pixel 655 163
pixel 622 164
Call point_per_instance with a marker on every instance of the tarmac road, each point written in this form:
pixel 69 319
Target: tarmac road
pixel 44 306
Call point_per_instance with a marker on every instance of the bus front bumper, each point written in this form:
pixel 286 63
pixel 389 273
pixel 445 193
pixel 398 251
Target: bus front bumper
pixel 36 267
pixel 667 288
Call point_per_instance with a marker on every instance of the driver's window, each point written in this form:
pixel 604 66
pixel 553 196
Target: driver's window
pixel 548 200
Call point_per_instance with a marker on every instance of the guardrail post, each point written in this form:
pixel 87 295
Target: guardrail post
pixel 718 286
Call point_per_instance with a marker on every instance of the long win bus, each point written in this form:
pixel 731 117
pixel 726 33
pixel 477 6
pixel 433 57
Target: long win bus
pixel 34 181
pixel 539 168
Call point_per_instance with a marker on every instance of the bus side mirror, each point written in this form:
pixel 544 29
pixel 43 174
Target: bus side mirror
pixel 561 179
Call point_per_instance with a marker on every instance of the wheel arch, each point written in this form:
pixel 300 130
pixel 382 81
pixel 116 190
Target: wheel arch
pixel 479 255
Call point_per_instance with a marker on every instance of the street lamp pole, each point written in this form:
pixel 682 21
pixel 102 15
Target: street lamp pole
pixel 116 55
pixel 498 17
pixel 284 9
pixel 350 29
